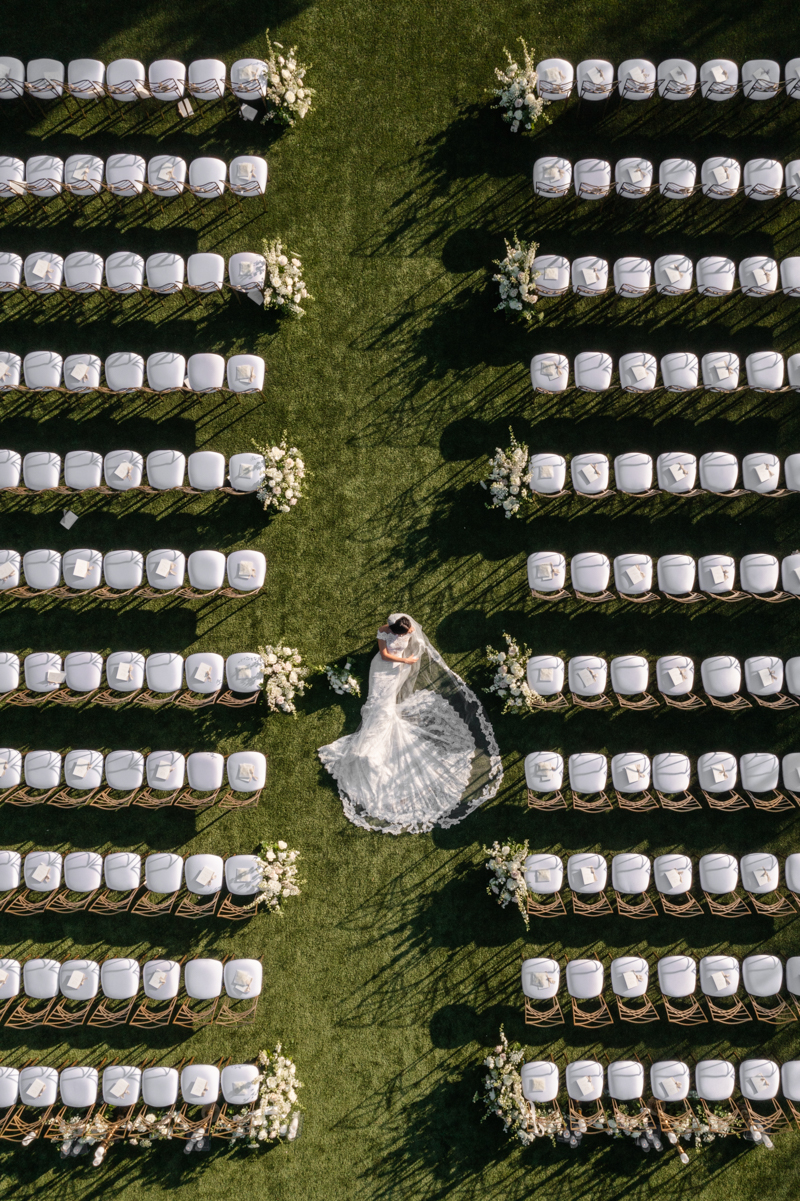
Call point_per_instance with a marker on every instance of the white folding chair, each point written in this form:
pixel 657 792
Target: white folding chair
pixel 41 471
pixel 763 179
pixel 758 576
pixel 633 277
pixel 677 178
pixel 126 81
pixel 638 372
pixel 719 473
pixel 588 776
pixel 10 272
pixel 589 474
pixel 677 469
pixel 42 572
pixel 589 278
pixel 674 275
pixel 165 469
pixel 125 173
pixel 719 79
pixel 720 177
pixel 556 79
pixel 12 170
pixel 541 978
pixel 593 370
pixel 591 179
pixel 679 371
pixel 587 876
pixel 246 571
pixel 761 473
pixel 245 373
pixel 165 571
pixel 673 874
pixel 206 79
pixel 588 677
pixel 715 276
pixel 633 472
pixel 633 177
pixel 717 773
pixel 595 79
pixel 552 176
pixel 585 982
pixel 549 372
pixel 548 473
pixel 82 570
pixel 124 272
pixel 677 79
pixel 717 575
pixel 547 571
pixel 630 871
pixel 722 677
pixel 166 372
pixel 83 273
pixel 124 372
pixel 166 78
pixel 122 470
pixel 207 178
pixel 43 272
pixel 249 78
pixel 790 573
pixel 10 470
pixel 86 79
pixel 675 680
pixel 166 175
pixel 761 79
pixel 590 572
pixel 760 774
pixel 762 976
pixel 45 79
pixel 545 676
pixel 206 570
pixel 677 980
pixel 791 179
pixel 206 470
pixel 630 677
pixel 553 274
pixel 636 79
pixel 790 284
pixel 544 778
pixel 165 273
pixel 633 577
pixel 719 980
pixel 44 176
pixel 247 176
pixel 123 571
pixel 205 372
pixel 12 78
pixel 205 273
pixel 765 371
pixel 758 275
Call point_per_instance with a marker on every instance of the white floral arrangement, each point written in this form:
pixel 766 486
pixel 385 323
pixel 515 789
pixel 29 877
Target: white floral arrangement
pixel 506 862
pixel 515 92
pixel 509 682
pixel 509 480
pixel 277 1114
pixel 284 286
pixel 280 876
pixel 502 1090
pixel 288 96
pixel 285 474
pixel 341 681
pixel 285 677
pixel 517 277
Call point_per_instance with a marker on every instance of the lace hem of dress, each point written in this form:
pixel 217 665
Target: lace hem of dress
pixel 355 813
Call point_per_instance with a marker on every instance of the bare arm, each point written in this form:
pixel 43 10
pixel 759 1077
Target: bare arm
pixel 385 654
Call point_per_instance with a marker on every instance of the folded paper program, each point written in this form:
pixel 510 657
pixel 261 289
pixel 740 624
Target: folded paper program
pixel 637 74
pixel 596 75
pixel 205 876
pixel 764 471
pixel 639 372
pixel 536 1084
pixel 79 371
pixel 767 677
pixel 35 1088
pixel 588 875
pixel 246 171
pixel 719 773
pixel 636 772
pixel 76 979
pixel 3 976
pixel 542 875
pixel 543 980
pixel 632 979
pixel 678 75
pixel 203 671
pixel 678 675
pixel 245 372
pixel 41 873
pixel 242 981
pixel 167 172
pixel 553 173
pixel 551 272
pixel 721 174
pixel 244 672
pixel 759 1083
pixel 678 471
pixel 635 174
pixel 165 567
pixel 723 370
pixel 124 671
pixel 54 676
pixel 585 1084
pixel 4 370
pixel 763 876
pixel 6 570
pixel 553 74
pixel 544 571
pixel 590 472
pixel 551 369
pixel 79 770
pixel 675 876
pixel 158 980
pixel 163 771
pixel 719 73
pixel 719 574
pixel 41 268
pixel 673 274
pixel 721 980
pixel 247 771
pixel 119 1088
pixel 246 569
pixel 546 674
pixel 546 471
pixel 587 677
pixel 81 568
pixel 634 574
pixel 590 275
pixel 761 276
pixel 199 1087
pixel 671 1085
pixel 123 471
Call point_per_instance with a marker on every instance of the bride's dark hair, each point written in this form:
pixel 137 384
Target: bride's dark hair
pixel 401 626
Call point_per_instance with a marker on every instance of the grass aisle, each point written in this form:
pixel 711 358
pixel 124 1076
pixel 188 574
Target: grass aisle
pixel 393 971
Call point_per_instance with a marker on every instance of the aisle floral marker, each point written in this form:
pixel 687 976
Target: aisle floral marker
pixel 280 876
pixel 509 480
pixel 341 681
pixel 515 92
pixel 288 96
pixel 509 682
pixel 501 1095
pixel 285 677
pixel 284 286
pixel 516 278
pixel 506 862
pixel 284 478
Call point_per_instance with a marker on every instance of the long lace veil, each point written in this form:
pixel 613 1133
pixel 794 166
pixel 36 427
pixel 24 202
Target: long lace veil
pixel 432 673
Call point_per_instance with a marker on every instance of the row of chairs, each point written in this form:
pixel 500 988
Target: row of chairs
pixel 669 774
pixel 667 1110
pixel 126 80
pixel 201 886
pixel 122 778
pixel 122 176
pixel 634 178
pixel 762 975
pixel 77 992
pixel 586 677
pixel 124 273
pixel 633 276
pixel 672 874
pixel 195 1103
pixel 165 470
pixel 124 371
pixel 674 78
pixel 120 573
pixel 680 372
pixel 161 678
pixel 590 572
pixel 675 472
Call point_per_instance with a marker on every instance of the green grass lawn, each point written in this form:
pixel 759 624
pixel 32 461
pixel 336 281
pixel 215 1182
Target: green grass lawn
pixel 393 971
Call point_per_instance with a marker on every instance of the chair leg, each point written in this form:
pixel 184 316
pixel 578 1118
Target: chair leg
pixel 192 907
pixel 600 908
pixel 151 700
pixel 690 702
pixel 228 1016
pixel 148 799
pixel 149 1018
pixel 107 800
pixel 770 1122
pixel 233 700
pixel 550 1016
pixel 636 803
pixel 689 1015
pixel 679 804
pixel 103 903
pixel 186 800
pixel 550 596
pixel 146 907
pixel 690 599
pixel 193 700
pixel 599 599
pixel 733 804
pixel 738 702
pixel 591 1019
pixel 104 1016
pixel 63 1018
pixel 61 902
pixel 233 912
pixel 554 801
pixel 553 908
pixel 582 804
pixel 23 1018
pixel 729 1015
pixel 600 702
pixel 647 702
pixel 783 702
pixel 191 1018
pixel 691 907
pixel 778 1015
pixel 641 909
pixel 643 1013
pixel 248 801
pixel 558 702
pixel 738 907
pixel 783 907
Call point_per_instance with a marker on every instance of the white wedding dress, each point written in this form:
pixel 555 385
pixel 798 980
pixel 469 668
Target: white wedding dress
pixel 424 755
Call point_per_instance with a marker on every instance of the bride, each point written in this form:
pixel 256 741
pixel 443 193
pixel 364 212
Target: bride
pixel 425 754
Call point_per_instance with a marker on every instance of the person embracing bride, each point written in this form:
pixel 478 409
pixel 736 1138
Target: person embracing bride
pixel 424 754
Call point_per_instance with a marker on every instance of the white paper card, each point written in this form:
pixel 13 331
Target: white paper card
pixel 673 274
pixel 246 469
pixel 163 771
pixel 639 372
pixel 167 172
pixel 248 112
pixel 124 671
pixel 551 273
pixel 41 268
pixel 719 773
pixel 6 570
pixel 245 170
pixel 123 471
pixel 158 980
pixel 587 677
pixel 719 74
pixel 247 771
pixel 588 875
pixel 590 275
pixel 245 372
pixel 634 574
pixel 634 774
pixel 546 675
pixel 243 980
pixel 54 676
pixel 536 1084
pixel 542 980
pixel 79 371
pixel 722 370
pixel 550 370
pixel 678 75
pixel 759 1083
pixel 250 71
pixel 206 875
pixel 763 876
pixel 76 979
pixel 721 174
pixel 243 672
pixel 544 571
pixel 3 976
pixel 637 74
pixel 553 74
pixel 69 519
pixel 766 676
pixel 585 1084
pixel 760 73
pixel 119 1088
pixel 671 1085
pixel 678 471
pixel 674 877
pixel 552 173
pixel 760 276
pixel 79 770
pixel 203 671
pixel 596 75
pixel 721 980
pixel 164 567
pixel 764 471
pixel 542 875
pixel 81 568
pixel 243 873
pixel 199 1086
pixel 41 873
pixel 590 473
pixel 632 979
pixel 718 574
pixel 546 471
pixel 635 174
pixel 35 1088
pixel 184 108
pixel 4 369
pixel 677 675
